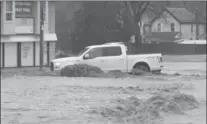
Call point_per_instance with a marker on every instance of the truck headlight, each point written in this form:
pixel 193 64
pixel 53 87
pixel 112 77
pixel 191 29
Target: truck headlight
pixel 56 65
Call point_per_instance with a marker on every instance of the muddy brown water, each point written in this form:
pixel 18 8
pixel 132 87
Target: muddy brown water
pixel 55 100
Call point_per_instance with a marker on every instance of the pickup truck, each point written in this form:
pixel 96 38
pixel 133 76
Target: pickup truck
pixel 111 56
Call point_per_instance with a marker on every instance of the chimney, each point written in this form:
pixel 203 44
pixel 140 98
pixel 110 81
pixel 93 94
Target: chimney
pixel 197 24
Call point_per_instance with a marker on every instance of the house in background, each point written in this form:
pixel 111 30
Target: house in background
pixel 145 26
pixel 179 20
pixel 20 29
pixel 202 36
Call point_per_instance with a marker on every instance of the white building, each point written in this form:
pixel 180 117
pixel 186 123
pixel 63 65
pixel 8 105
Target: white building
pixel 20 29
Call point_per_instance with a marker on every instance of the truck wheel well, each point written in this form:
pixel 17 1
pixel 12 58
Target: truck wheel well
pixel 141 63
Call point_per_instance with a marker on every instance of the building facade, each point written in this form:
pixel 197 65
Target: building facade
pixel 20 29
pixel 179 20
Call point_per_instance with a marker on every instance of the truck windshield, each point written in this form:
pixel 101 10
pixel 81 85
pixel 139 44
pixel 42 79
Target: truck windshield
pixel 81 52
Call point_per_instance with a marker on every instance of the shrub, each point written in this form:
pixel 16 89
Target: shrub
pixel 80 70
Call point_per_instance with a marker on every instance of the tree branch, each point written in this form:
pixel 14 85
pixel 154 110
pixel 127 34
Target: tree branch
pixel 130 8
pixel 139 5
pixel 141 11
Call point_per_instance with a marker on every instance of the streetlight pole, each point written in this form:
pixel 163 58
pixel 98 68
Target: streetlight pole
pixel 197 24
pixel 41 34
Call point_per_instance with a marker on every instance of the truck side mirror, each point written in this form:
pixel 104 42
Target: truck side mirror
pixel 86 56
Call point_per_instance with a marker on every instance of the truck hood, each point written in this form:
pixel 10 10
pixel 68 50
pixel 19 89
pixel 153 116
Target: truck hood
pixel 68 59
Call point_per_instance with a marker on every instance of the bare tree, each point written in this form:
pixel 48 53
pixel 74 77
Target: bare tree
pixel 136 10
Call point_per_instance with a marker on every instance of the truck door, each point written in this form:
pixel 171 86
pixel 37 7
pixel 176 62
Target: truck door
pixel 113 58
pixel 95 58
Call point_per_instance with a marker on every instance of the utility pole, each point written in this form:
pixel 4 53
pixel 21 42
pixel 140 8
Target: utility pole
pixel 0 35
pixel 72 29
pixel 41 34
pixel 197 24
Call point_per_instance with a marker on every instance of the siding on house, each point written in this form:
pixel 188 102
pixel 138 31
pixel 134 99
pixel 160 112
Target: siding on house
pixel 2 17
pixel 201 29
pixel 187 30
pixel 8 26
pixel 165 20
pixel 51 17
pixel 10 55
pixel 146 21
pixel 20 46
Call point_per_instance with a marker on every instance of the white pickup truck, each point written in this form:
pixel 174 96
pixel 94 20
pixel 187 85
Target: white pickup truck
pixel 111 56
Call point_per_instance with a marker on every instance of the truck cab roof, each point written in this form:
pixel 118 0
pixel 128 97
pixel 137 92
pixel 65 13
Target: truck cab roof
pixel 107 45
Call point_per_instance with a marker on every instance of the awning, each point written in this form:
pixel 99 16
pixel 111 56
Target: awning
pixel 28 38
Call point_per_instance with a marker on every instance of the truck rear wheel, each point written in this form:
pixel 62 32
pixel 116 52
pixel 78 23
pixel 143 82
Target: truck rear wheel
pixel 142 67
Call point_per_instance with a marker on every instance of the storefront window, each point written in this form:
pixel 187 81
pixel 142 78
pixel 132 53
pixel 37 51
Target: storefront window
pixel 9 10
pixel 24 17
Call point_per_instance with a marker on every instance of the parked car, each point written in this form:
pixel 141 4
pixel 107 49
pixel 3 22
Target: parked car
pixel 111 56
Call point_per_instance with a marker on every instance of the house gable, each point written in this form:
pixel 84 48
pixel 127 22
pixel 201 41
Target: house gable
pixel 183 16
pixel 165 20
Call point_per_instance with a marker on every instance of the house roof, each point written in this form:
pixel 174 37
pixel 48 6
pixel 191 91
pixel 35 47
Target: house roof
pixel 162 36
pixel 182 15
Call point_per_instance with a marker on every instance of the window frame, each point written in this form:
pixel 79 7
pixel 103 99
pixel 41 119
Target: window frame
pixel 159 27
pixel 10 11
pixel 89 52
pixel 106 52
pixel 192 28
pixel 172 27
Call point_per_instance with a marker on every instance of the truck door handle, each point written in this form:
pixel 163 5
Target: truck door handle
pixel 101 60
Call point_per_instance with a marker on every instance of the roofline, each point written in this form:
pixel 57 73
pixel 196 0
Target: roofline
pixel 165 9
pixel 181 22
pixel 172 15
pixel 193 22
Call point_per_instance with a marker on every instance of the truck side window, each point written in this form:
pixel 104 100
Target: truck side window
pixel 96 52
pixel 112 51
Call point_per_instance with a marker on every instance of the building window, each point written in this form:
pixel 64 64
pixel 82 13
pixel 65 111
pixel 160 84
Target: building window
pixel 9 10
pixel 158 27
pixel 191 31
pixel 192 28
pixel 146 29
pixel 172 27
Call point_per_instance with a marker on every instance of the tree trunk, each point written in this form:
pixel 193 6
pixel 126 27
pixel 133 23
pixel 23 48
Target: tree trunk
pixel 138 35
